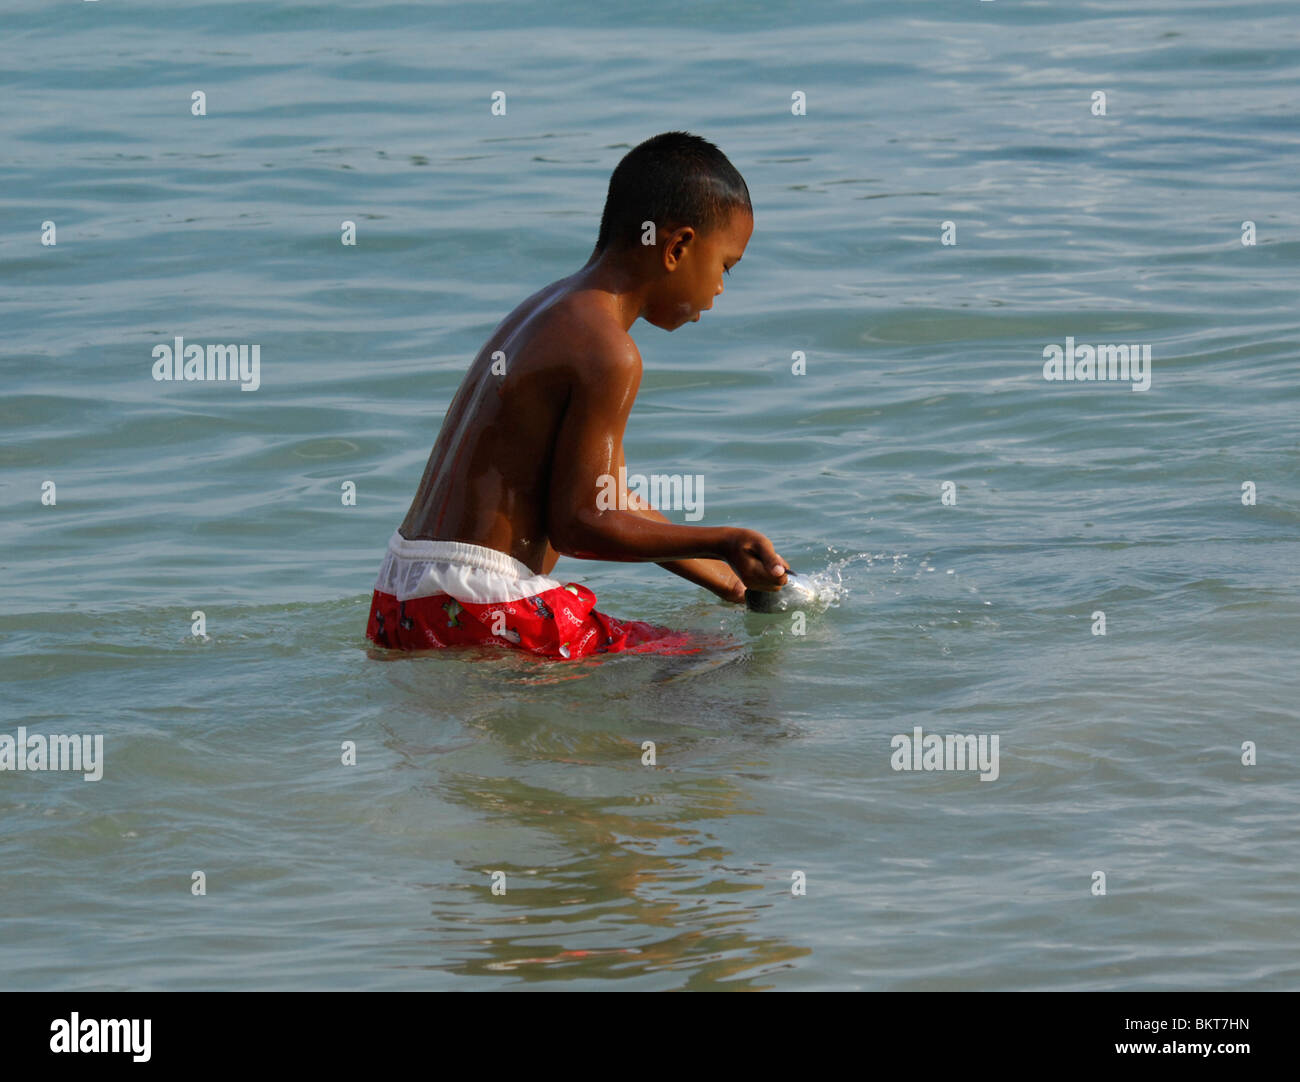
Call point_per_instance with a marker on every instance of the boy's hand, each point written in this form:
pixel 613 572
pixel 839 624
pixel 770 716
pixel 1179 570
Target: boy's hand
pixel 729 589
pixel 714 575
pixel 755 561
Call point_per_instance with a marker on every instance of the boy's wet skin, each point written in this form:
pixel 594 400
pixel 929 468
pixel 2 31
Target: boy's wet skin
pixel 517 462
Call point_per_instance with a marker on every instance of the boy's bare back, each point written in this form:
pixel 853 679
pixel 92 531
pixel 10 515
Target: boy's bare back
pixel 490 471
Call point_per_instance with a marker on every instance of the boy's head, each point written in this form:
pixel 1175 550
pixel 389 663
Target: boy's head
pixel 701 211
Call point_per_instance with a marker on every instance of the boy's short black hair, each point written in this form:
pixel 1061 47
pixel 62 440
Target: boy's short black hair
pixel 674 179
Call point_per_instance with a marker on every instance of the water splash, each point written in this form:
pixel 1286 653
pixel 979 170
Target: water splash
pixel 828 584
pixel 833 583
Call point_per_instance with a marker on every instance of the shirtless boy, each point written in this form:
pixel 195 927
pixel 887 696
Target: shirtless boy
pixel 513 478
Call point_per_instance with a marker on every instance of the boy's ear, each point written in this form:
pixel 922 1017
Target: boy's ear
pixel 678 241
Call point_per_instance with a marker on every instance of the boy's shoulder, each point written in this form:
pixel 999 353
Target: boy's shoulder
pixel 577 327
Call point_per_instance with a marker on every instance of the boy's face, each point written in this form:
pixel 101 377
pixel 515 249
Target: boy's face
pixel 696 263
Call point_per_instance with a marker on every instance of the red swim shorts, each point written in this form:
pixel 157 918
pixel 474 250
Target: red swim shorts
pixel 432 594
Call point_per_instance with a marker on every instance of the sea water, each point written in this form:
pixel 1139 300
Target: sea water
pixel 1097 581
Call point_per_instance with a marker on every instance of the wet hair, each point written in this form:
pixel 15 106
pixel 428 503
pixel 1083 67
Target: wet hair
pixel 674 179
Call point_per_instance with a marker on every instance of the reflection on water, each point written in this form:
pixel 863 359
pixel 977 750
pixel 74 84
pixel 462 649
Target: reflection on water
pixel 644 874
pixel 639 884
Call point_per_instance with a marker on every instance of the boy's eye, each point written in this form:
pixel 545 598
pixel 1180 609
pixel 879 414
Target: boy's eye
pixel 726 270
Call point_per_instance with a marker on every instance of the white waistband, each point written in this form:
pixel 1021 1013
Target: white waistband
pixel 458 552
pixel 469 573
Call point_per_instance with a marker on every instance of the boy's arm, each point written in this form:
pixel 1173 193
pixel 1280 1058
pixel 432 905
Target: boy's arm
pixel 604 386
pixel 715 576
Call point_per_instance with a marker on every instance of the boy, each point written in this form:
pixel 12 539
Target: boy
pixel 513 479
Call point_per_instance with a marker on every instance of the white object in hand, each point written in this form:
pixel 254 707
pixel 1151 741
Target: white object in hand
pixel 795 594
